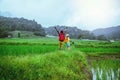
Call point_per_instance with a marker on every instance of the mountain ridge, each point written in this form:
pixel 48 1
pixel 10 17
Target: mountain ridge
pixel 110 32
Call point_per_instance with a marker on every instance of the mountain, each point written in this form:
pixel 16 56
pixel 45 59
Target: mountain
pixel 74 32
pixel 8 24
pixel 99 34
pixel 21 25
pixel 109 33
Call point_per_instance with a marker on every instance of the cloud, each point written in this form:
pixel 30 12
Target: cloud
pixel 91 14
pixel 44 11
pixel 85 14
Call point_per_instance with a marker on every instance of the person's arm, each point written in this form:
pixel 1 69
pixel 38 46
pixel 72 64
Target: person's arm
pixel 56 30
pixel 65 29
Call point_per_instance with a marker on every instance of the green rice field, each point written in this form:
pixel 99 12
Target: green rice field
pixel 41 59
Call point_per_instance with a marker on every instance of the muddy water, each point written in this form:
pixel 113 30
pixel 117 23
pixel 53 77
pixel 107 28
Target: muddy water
pixel 99 74
pixel 103 68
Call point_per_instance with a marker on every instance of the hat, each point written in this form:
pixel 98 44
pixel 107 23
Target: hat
pixel 67 34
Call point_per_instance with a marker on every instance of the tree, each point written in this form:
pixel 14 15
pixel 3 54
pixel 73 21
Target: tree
pixel 101 37
pixel 3 33
pixel 80 36
pixel 38 33
pixel 19 34
pixel 12 24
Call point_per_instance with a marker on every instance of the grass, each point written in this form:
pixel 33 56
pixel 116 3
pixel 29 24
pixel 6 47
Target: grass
pixel 26 49
pixel 40 59
pixel 43 45
pixel 59 65
pixel 100 50
pixel 29 40
pixel 98 47
pixel 106 69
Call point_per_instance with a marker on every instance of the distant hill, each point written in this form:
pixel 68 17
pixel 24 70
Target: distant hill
pixel 109 33
pixel 73 31
pixel 8 24
pixel 98 34
pixel 14 26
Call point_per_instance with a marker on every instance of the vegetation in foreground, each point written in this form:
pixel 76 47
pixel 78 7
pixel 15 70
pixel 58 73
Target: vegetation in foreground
pixel 60 65
pixel 108 69
pixel 38 59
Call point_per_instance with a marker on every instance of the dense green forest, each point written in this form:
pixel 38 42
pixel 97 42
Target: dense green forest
pixel 8 25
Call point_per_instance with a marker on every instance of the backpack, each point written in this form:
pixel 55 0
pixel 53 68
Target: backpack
pixel 61 37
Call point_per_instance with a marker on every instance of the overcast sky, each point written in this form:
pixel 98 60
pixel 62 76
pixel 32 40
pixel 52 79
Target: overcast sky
pixel 84 14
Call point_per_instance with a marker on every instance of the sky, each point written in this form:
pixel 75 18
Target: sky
pixel 84 14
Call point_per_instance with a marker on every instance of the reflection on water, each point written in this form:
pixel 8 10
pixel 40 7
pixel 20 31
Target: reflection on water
pixel 99 74
pixel 106 70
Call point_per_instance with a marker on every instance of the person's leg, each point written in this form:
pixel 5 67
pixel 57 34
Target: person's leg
pixel 68 46
pixel 61 45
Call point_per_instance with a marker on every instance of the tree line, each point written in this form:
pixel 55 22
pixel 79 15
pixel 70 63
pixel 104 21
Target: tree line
pixel 75 33
pixel 8 24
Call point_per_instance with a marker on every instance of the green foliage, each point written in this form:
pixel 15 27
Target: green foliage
pixel 19 35
pixel 101 37
pixel 43 45
pixel 3 32
pixel 39 59
pixel 25 49
pixel 97 46
pixel 21 24
pixel 59 65
pixel 39 33
pixel 107 69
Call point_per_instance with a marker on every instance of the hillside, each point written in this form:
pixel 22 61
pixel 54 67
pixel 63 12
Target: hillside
pixel 30 28
pixel 8 24
pixel 110 33
pixel 99 34
pixel 73 31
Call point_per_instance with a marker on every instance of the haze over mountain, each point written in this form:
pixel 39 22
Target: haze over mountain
pixel 8 24
pixel 110 33
pixel 105 33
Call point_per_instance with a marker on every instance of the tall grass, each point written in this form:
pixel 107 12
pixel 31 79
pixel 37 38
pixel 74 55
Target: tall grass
pixel 98 47
pixel 29 40
pixel 40 59
pixel 26 49
pixel 59 65
pixel 106 69
pixel 99 50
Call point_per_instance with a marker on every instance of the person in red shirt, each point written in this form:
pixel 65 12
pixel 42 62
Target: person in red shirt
pixel 61 37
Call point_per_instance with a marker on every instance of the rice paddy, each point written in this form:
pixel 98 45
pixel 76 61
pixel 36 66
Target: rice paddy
pixel 41 59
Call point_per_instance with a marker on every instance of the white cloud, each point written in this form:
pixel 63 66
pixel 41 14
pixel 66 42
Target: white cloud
pixel 86 14
pixel 93 13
